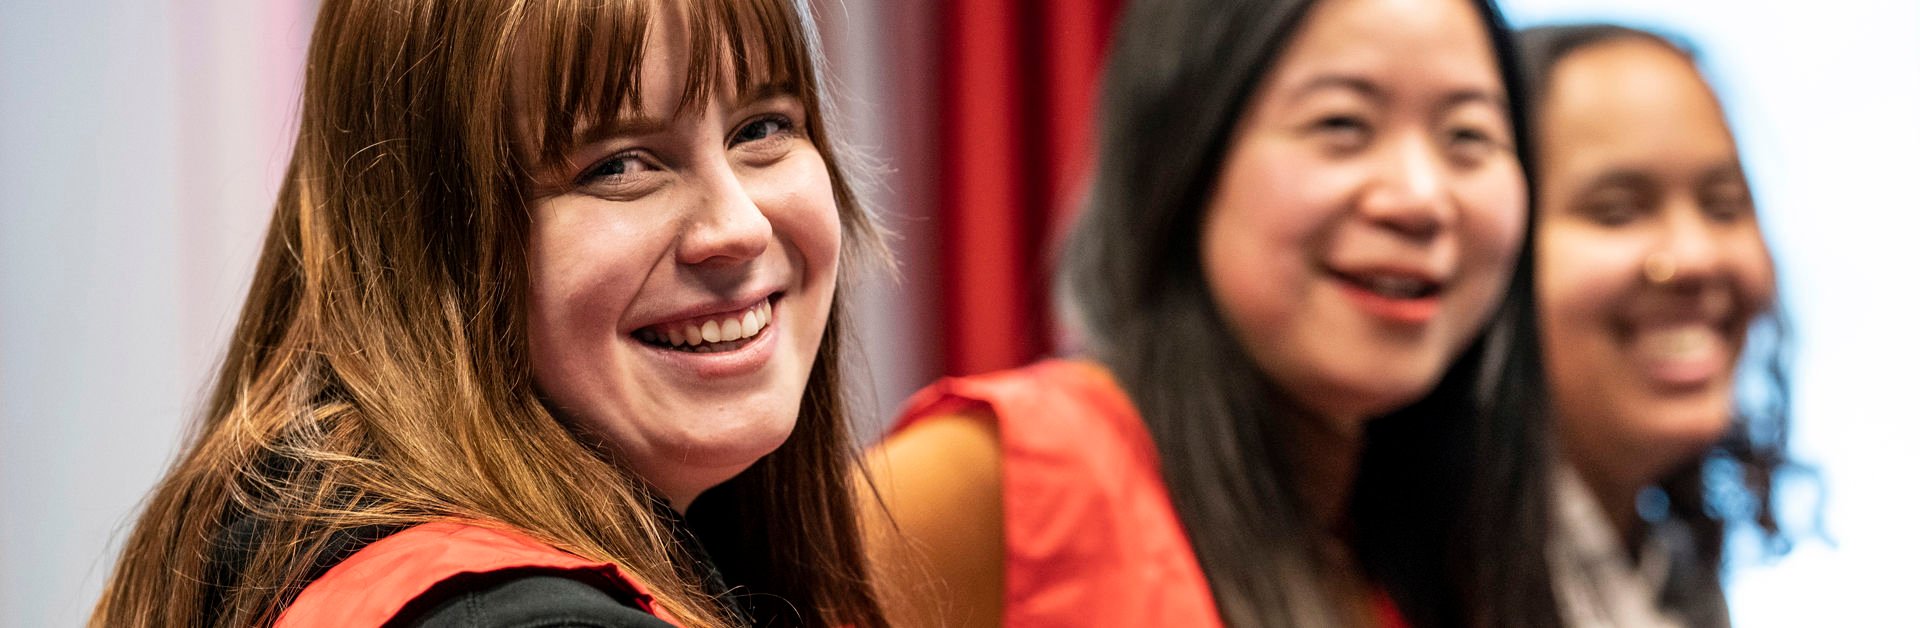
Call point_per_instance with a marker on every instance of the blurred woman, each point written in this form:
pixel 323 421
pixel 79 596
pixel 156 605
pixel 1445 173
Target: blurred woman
pixel 545 328
pixel 1311 396
pixel 1652 276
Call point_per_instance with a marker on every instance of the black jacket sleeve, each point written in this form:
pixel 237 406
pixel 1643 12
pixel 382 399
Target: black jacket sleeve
pixel 525 600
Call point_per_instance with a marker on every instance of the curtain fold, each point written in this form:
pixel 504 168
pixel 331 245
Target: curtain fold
pixel 1018 84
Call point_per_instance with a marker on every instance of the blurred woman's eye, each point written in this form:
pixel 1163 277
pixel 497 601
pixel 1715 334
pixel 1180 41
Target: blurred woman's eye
pixel 1726 203
pixel 1469 145
pixel 1342 132
pixel 1614 208
pixel 769 127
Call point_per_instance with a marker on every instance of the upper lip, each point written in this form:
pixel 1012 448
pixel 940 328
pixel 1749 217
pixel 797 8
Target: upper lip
pixel 706 309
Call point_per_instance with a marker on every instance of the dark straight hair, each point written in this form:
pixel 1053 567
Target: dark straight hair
pixel 1449 508
pixel 1733 482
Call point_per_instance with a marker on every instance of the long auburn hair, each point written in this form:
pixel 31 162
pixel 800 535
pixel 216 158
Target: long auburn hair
pixel 378 376
pixel 1732 483
pixel 1449 505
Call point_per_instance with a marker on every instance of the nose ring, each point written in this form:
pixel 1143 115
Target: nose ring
pixel 1659 268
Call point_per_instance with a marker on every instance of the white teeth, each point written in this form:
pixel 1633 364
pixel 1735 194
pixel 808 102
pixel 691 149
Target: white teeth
pixel 696 337
pixel 1683 342
pixel 750 323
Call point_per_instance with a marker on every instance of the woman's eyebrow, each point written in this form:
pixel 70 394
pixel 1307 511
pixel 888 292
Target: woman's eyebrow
pixel 1373 92
pixel 757 92
pixel 1631 178
pixel 1472 95
pixel 1338 82
pixel 1725 172
pixel 624 124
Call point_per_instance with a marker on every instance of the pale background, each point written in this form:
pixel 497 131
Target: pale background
pixel 141 142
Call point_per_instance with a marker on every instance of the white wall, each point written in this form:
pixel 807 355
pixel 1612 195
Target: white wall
pixel 140 143
pixel 1825 101
pixel 882 54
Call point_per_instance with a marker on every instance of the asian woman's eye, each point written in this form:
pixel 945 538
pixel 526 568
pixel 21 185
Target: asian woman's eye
pixel 1471 143
pixel 762 128
pixel 1342 132
pixel 1469 137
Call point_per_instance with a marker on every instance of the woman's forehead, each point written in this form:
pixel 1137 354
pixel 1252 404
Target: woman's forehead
pixel 584 66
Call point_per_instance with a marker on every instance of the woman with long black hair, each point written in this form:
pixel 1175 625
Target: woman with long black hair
pixel 1311 394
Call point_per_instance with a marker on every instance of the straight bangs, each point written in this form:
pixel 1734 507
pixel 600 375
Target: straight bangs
pixel 593 48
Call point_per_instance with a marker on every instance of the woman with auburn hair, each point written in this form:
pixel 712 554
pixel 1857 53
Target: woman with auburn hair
pixel 1654 276
pixel 545 326
pixel 1312 392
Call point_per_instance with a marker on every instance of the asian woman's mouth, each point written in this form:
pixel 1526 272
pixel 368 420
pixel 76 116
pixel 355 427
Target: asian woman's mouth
pixel 1401 296
pixel 717 332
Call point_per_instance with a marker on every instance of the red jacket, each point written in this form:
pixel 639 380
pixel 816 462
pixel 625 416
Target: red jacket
pixel 372 586
pixel 1091 537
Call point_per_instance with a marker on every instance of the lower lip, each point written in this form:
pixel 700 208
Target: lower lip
pixel 1686 374
pixel 1399 311
pixel 746 360
pixel 1683 376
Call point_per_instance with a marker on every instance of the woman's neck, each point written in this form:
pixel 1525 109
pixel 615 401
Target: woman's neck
pixel 1329 464
pixel 1618 498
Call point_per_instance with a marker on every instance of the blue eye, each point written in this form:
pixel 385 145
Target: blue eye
pixel 621 174
pixel 762 128
pixel 618 166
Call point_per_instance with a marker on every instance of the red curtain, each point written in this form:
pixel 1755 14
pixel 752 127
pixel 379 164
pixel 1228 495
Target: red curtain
pixel 1018 81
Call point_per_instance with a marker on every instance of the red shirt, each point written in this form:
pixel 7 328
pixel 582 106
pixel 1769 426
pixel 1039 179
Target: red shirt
pixel 371 587
pixel 1091 537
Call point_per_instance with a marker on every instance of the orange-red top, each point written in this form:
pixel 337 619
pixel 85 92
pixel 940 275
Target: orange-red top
pixel 371 586
pixel 1091 537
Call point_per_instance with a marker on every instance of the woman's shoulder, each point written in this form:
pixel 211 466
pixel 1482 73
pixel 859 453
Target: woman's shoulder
pixel 523 598
pixel 399 573
pixel 1047 396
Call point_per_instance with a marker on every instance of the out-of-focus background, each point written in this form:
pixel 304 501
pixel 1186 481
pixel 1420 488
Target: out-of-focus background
pixel 141 142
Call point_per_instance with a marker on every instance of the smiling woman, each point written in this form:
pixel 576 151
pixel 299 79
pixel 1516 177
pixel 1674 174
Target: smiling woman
pixel 1653 273
pixel 547 310
pixel 1311 396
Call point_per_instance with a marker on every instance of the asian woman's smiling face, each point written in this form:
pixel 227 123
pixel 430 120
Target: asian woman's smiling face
pixel 1370 205
pixel 682 267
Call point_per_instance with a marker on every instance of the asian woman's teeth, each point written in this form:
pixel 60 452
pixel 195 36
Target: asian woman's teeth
pixel 1397 287
pixel 720 333
pixel 1392 286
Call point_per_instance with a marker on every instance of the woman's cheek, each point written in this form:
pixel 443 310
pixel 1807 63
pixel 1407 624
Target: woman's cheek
pixel 1498 213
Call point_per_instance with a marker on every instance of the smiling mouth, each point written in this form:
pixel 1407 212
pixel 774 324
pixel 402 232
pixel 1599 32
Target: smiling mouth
pixel 1682 355
pixel 1390 286
pixel 718 333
